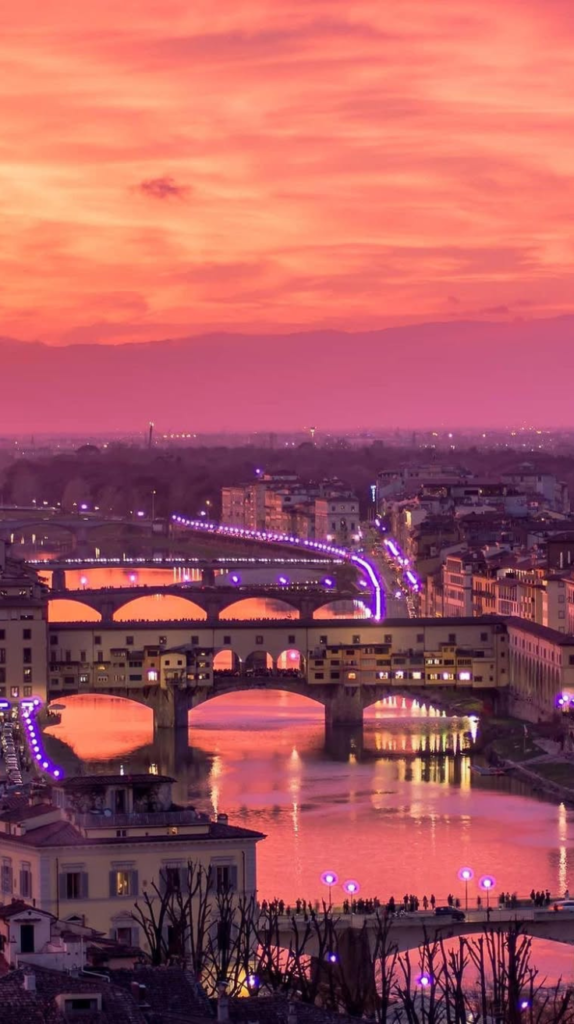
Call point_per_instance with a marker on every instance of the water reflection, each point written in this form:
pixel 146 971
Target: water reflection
pixel 396 822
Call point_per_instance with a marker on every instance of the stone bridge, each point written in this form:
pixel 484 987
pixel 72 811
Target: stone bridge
pixel 212 601
pixel 344 705
pixel 410 931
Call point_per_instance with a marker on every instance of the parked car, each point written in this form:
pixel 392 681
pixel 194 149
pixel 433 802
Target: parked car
pixel 453 912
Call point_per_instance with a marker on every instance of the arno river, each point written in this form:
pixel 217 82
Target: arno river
pixel 395 824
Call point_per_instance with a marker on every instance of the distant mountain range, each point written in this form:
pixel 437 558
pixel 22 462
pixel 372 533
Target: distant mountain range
pixel 459 374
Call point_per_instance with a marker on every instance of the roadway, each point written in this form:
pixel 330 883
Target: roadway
pixel 395 607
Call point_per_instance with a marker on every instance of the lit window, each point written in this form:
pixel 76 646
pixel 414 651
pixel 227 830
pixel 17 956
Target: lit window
pixel 352 675
pixel 464 676
pixel 417 675
pixel 152 675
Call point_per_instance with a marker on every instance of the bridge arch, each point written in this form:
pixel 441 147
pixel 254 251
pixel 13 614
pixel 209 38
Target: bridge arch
pixel 291 660
pixel 159 608
pixel 259 608
pixel 344 608
pixel 71 610
pixel 258 663
pixel 226 662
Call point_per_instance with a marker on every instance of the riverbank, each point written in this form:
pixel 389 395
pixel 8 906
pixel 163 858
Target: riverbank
pixel 535 754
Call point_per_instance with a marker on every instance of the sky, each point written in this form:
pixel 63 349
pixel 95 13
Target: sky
pixel 170 168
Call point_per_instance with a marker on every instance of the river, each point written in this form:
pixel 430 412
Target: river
pixel 395 824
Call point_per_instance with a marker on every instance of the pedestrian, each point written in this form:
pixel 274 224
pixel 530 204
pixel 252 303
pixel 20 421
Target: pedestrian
pixel 432 901
pixel 566 894
pixel 425 903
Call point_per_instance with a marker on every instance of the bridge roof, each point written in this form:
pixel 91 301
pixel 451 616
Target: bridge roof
pixel 542 632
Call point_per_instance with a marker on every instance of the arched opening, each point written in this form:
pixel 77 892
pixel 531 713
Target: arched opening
pixel 259 663
pixel 291 663
pixel 226 663
pixel 259 608
pixel 62 610
pixel 159 608
pixel 346 608
pixel 99 728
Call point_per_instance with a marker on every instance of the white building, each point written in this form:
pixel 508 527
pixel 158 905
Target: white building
pixel 102 840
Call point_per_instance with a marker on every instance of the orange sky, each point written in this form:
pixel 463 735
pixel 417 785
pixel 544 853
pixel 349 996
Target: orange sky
pixel 167 166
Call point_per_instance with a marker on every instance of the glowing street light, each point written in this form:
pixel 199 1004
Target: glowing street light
pixel 487 884
pixel 351 887
pixel 329 878
pixel 466 875
pixel 425 980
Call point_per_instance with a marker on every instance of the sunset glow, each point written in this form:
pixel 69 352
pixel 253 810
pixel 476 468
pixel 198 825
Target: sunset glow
pixel 244 165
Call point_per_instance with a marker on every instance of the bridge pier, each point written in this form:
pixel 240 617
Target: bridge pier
pixel 342 740
pixel 170 710
pixel 344 707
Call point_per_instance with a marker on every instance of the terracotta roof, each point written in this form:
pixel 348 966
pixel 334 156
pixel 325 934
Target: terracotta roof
pixel 18 907
pixel 20 1006
pixel 64 833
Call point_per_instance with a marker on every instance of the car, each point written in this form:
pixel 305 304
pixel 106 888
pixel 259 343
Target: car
pixel 453 912
pixel 564 905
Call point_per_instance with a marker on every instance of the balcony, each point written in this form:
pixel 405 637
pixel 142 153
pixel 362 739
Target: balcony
pixel 139 819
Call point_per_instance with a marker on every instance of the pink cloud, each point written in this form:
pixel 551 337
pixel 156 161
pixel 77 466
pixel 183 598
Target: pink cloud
pixel 357 165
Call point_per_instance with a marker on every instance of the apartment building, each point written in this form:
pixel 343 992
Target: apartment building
pixel 23 630
pixel 98 842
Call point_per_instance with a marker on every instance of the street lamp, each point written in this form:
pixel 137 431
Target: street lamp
pixel 487 883
pixel 466 875
pixel 351 887
pixel 329 878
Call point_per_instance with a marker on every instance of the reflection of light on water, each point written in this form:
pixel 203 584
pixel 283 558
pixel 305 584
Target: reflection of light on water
pixel 563 850
pixel 214 776
pixel 473 727
pixel 295 767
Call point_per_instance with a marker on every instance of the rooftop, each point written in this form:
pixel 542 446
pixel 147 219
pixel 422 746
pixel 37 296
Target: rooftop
pixel 89 781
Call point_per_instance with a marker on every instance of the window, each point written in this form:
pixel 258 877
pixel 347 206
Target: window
pixel 53 641
pixel 6 875
pixel 2 634
pixel 14 691
pixel 388 638
pixel 173 878
pixel 452 638
pixel 124 936
pixel 73 885
pixel 335 675
pixel 83 658
pixel 129 641
pixel 2 675
pixel 319 675
pixel 195 640
pixel 26 880
pixel 225 877
pixel 99 655
pixel 226 639
pixel 291 638
pixel 420 638
pixel 2 655
pixel 26 634
pixel 259 640
pixel 162 641
pixel 152 675
pixel 27 675
pixel 123 882
pixel 27 691
pixel 322 639
pixel 135 678
pixel 484 637
pixel 356 638
pixel 97 640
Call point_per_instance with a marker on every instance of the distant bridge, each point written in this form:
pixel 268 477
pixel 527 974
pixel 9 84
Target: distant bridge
pixel 212 601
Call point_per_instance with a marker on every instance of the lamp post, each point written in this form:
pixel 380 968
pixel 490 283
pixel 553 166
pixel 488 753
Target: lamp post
pixel 153 494
pixel 466 875
pixel 487 883
pixel 329 878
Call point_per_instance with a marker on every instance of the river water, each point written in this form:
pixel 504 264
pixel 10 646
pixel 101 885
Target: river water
pixel 395 824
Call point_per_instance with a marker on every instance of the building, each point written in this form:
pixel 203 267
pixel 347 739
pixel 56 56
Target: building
pixel 280 503
pixel 23 630
pixel 99 841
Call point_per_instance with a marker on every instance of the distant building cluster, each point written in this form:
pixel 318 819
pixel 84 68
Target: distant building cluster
pixel 502 546
pixel 281 503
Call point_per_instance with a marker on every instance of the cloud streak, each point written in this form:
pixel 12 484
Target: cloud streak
pixel 351 164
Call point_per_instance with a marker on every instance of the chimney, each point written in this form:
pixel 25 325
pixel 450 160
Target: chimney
pixel 30 982
pixel 222 819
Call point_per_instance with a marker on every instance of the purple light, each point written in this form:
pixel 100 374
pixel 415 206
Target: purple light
pixel 252 981
pixel 524 1004
pixel 235 578
pixel 466 874
pixel 283 580
pixel 327 582
pixel 332 958
pixel 84 507
pixel 351 887
pixel 487 883
pixel 425 980
pixel 329 878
